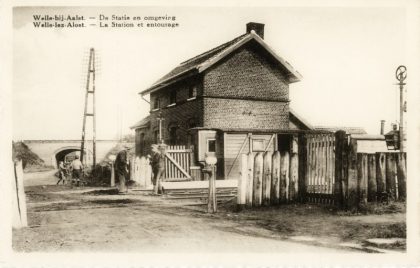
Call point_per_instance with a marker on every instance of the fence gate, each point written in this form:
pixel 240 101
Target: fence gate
pixel 320 167
pixel 177 163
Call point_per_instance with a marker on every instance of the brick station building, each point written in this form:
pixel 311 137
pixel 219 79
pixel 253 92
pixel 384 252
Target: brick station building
pixel 229 100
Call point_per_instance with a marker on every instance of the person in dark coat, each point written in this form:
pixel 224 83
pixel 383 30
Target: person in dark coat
pixel 158 168
pixel 121 170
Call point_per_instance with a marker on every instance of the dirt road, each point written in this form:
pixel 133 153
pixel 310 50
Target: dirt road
pixel 91 219
pixel 139 224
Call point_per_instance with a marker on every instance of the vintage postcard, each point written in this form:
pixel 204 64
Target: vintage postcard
pixel 206 133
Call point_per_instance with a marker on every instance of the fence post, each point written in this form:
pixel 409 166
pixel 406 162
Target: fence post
pixel 303 162
pixel 250 179
pixel 142 171
pixel 372 185
pixel 212 204
pixel 390 175
pixel 352 189
pixel 148 173
pixel 132 167
pixel 293 171
pixel 266 183
pixel 402 176
pixel 275 179
pixel 258 173
pixel 112 174
pixel 242 182
pixel 362 176
pixel 19 201
pixel 284 177
pixel 380 173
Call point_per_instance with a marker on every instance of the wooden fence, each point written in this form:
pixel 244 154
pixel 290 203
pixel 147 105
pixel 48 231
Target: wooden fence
pixel 268 178
pixel 327 169
pixel 320 165
pixel 177 167
pixel 177 163
pixel 362 178
pixel 141 171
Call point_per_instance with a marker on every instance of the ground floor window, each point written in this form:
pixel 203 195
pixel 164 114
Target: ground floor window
pixel 211 145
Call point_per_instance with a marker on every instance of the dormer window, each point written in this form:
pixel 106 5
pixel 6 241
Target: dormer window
pixel 156 104
pixel 192 92
pixel 172 97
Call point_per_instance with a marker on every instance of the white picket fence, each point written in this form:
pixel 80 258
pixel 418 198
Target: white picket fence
pixel 141 171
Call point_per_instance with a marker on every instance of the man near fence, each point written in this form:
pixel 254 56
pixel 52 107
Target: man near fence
pixel 121 169
pixel 158 167
pixel 62 172
pixel 77 169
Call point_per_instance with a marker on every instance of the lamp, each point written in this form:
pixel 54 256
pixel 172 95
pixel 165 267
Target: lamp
pixel 210 159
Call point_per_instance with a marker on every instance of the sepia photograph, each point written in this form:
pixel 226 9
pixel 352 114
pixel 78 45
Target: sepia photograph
pixel 213 129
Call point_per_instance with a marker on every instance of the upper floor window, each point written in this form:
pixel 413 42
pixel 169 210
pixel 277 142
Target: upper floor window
pixel 192 92
pixel 172 97
pixel 156 104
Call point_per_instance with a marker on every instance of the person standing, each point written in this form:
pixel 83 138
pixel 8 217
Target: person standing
pixel 77 169
pixel 158 168
pixel 62 171
pixel 121 170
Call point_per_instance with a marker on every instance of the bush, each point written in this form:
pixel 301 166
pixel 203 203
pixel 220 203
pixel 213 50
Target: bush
pixel 20 151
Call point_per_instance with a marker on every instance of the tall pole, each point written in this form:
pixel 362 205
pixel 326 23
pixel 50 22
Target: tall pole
pixel 94 107
pixel 82 147
pixel 402 143
pixel 401 75
pixel 90 75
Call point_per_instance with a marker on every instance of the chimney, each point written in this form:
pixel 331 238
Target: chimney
pixel 257 27
pixel 382 127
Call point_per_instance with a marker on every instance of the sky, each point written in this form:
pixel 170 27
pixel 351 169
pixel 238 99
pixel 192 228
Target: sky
pixel 346 55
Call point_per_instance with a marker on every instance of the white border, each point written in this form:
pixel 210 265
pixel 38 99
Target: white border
pixel 11 259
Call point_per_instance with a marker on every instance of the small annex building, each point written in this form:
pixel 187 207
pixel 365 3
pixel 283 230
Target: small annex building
pixel 227 101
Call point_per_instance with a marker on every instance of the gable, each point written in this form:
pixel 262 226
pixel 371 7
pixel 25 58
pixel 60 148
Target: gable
pixel 206 60
pixel 247 73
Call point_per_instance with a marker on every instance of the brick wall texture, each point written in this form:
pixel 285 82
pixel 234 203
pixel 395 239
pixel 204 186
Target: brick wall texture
pixel 248 74
pixel 245 114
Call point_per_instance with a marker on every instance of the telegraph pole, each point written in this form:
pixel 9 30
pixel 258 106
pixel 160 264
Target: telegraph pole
pixel 401 75
pixel 89 90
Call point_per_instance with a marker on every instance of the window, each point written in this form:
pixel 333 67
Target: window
pixel 173 135
pixel 156 104
pixel 172 97
pixel 211 146
pixel 258 145
pixel 192 92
